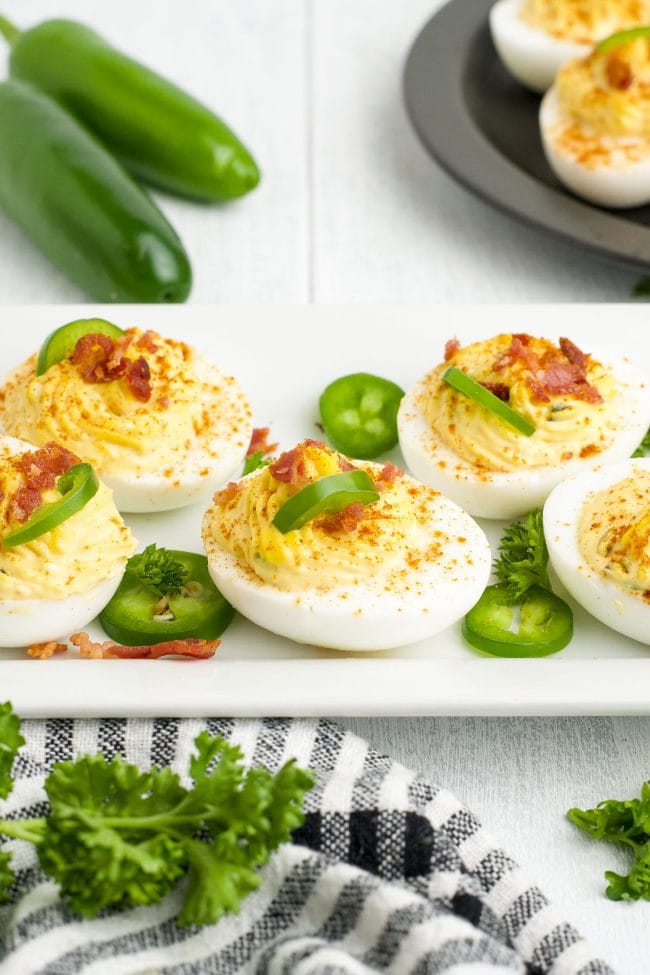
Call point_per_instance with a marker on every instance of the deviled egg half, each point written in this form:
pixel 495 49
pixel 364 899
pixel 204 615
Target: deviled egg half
pixel 595 124
pixel 373 570
pixel 534 38
pixel 53 582
pixel 572 412
pixel 160 423
pixel 597 529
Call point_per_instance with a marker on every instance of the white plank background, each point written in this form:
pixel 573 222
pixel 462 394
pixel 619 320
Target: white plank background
pixel 352 210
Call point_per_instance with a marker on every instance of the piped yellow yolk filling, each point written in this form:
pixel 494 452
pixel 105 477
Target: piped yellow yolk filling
pixel 584 21
pixel 105 424
pixel 565 426
pixel 315 556
pixel 608 93
pixel 614 533
pixel 72 558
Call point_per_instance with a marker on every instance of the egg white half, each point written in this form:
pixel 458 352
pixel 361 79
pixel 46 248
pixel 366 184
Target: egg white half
pixel 500 494
pixel 368 616
pixel 27 621
pixel 532 56
pixel 609 603
pixel 618 182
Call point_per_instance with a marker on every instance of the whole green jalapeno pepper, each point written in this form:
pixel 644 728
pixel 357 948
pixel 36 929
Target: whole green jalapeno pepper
pixel 81 208
pixel 161 134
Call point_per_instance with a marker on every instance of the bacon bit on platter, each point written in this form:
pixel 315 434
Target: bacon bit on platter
pixel 345 521
pixel 556 372
pixel 451 348
pixel 41 651
pixel 500 390
pixel 40 469
pixel 109 650
pixel 260 442
pixel 101 359
pixel 387 476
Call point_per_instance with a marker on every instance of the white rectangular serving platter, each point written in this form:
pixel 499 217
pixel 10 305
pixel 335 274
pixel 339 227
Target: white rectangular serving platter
pixel 284 357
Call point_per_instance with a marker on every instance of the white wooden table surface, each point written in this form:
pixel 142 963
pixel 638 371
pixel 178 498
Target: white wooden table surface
pixel 352 210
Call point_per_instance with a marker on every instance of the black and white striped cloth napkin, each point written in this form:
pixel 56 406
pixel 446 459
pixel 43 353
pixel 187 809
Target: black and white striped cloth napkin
pixel 389 874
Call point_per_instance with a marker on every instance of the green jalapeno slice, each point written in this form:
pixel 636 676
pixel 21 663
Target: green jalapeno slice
pixel 359 414
pixel 328 494
pixel 77 486
pixel 62 341
pixel 545 623
pixel 143 613
pixel 469 387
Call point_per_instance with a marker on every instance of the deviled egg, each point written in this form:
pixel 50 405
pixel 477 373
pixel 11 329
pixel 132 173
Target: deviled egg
pixel 597 529
pixel 572 412
pixel 386 563
pixel 595 124
pixel 534 38
pixel 161 424
pixel 54 581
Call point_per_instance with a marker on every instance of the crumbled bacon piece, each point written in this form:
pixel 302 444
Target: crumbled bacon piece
pixel 619 73
pixel 40 469
pixel 24 503
pixel 137 378
pixel 109 650
pixel 499 390
pixel 451 348
pixel 226 494
pixel 99 358
pixel 575 356
pixel 387 476
pixel 289 468
pixel 347 520
pixel 260 442
pixel 41 651
pixel 555 373
pixel 147 341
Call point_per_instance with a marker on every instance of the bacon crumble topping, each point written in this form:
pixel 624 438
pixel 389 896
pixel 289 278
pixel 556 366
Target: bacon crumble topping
pixel 556 372
pixel 40 469
pixel 102 359
pixel 500 390
pixel 451 347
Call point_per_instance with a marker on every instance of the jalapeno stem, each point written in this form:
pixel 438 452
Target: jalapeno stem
pixel 8 30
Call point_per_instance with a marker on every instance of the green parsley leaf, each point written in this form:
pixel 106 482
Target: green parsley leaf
pixel 626 822
pixel 119 837
pixel 159 570
pixel 523 559
pixel 10 741
pixel 6 877
pixel 644 447
pixel 254 462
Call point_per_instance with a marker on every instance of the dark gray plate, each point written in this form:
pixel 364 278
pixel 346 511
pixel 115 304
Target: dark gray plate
pixel 481 126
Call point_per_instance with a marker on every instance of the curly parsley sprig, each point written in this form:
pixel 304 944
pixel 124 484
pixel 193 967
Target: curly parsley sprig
pixel 159 570
pixel 117 837
pixel 523 557
pixel 627 822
